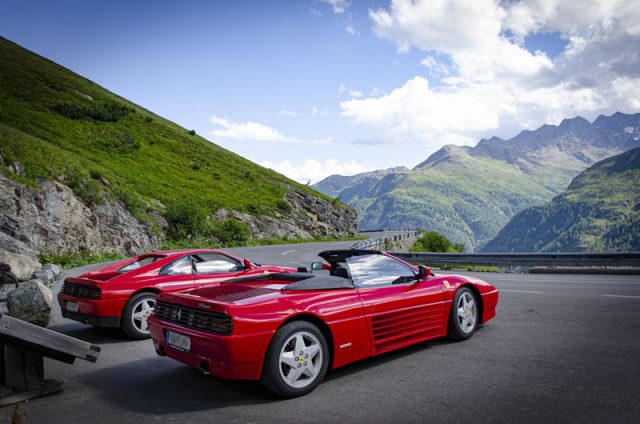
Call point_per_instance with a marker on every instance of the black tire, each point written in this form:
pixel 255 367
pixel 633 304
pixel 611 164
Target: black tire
pixel 127 323
pixel 273 369
pixel 458 330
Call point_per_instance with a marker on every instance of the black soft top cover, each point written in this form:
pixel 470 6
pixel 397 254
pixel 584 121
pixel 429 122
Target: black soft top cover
pixel 333 256
pixel 300 281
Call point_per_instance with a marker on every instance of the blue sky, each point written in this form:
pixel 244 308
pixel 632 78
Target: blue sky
pixel 314 87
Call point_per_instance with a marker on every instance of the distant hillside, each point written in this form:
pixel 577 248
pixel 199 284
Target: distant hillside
pixel 599 212
pixel 470 193
pixel 59 127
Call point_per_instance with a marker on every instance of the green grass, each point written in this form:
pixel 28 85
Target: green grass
pixel 469 268
pixel 80 259
pixel 60 126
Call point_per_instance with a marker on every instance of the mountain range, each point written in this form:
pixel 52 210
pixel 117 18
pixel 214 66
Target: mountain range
pixel 470 193
pixel 599 212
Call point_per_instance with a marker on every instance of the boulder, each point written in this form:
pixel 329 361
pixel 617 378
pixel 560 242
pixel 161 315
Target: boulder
pixel 57 270
pixel 45 276
pixel 31 302
pixel 22 266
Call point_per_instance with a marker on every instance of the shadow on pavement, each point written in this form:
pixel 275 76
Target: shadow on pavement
pixel 90 334
pixel 160 385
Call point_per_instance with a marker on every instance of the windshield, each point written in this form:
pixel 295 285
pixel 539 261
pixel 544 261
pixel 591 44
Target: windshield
pixel 139 263
pixel 377 270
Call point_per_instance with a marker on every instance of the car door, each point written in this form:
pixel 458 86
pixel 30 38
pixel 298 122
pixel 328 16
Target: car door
pixel 210 268
pixel 176 276
pixel 400 310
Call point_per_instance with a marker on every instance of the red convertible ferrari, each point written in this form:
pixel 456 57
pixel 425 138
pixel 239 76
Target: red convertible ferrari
pixel 124 293
pixel 287 330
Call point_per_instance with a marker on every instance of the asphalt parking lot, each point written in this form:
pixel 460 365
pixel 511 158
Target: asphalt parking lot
pixel 563 348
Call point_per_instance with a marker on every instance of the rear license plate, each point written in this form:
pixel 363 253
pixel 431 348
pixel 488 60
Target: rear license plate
pixel 72 307
pixel 179 341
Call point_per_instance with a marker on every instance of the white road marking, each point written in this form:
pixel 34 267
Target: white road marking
pixel 521 291
pixel 296 263
pixel 288 251
pixel 533 281
pixel 337 244
pixel 620 295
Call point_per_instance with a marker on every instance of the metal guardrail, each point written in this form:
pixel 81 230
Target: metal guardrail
pixel 524 259
pixel 380 241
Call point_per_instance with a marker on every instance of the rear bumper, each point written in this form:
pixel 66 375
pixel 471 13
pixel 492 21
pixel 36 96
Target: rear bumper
pixel 100 312
pixel 234 357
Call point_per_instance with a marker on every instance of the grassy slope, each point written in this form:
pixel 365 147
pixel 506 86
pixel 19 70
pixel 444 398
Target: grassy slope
pixel 599 212
pixel 142 155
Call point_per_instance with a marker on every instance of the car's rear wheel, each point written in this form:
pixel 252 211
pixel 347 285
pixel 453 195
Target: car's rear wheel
pixel 296 361
pixel 463 320
pixel 134 316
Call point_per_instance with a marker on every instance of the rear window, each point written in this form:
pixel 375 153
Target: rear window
pixel 139 263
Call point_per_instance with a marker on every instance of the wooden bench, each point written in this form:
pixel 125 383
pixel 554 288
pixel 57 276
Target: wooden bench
pixel 23 347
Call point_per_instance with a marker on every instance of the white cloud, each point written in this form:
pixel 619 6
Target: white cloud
pixel 417 109
pixel 491 82
pixel 247 131
pixel 342 88
pixel 355 93
pixel 339 6
pixel 351 30
pixel 435 67
pixel 316 111
pixel 286 112
pixel 313 170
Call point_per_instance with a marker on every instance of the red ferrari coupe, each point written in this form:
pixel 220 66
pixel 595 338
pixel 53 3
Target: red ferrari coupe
pixel 287 330
pixel 124 293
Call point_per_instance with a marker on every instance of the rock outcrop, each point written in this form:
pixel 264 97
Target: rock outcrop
pixel 53 220
pixel 308 217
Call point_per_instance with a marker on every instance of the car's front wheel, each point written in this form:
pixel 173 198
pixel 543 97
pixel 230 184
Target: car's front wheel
pixel 296 361
pixel 463 320
pixel 134 316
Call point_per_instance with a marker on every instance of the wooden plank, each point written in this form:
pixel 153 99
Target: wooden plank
pixel 24 369
pixel 49 387
pixel 49 343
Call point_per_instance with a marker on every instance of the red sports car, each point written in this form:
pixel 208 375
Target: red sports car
pixel 124 293
pixel 287 330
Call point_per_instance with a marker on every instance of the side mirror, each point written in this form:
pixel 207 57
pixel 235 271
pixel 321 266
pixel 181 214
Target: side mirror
pixel 247 264
pixel 423 272
pixel 319 266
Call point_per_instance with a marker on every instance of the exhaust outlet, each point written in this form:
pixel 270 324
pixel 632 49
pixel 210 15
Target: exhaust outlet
pixel 204 368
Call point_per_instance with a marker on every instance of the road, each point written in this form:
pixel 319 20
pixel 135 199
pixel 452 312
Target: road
pixel 563 348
